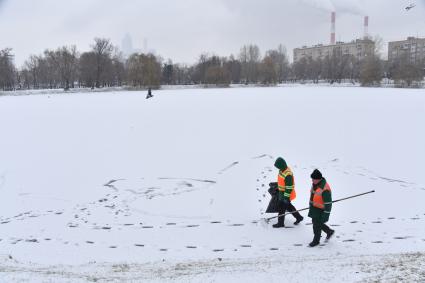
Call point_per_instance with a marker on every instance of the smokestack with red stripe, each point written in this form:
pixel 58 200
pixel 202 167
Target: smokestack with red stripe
pixel 333 19
pixel 366 27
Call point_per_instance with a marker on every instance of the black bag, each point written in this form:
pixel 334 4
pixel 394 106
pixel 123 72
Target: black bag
pixel 274 202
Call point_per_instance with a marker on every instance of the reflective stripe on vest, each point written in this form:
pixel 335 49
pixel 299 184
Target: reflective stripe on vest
pixel 317 196
pixel 282 186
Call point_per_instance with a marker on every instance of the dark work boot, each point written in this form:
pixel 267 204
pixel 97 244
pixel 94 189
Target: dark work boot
pixel 278 225
pixel 315 242
pixel 330 234
pixel 280 222
pixel 299 220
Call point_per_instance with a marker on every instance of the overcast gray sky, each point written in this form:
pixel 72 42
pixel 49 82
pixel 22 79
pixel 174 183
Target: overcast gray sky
pixel 183 29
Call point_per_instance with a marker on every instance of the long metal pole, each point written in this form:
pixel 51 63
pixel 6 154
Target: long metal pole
pixel 287 213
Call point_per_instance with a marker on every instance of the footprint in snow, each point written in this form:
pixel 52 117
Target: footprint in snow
pixel 192 226
pixel 147 227
pixel 139 245
pixel 401 238
pixel 237 224
pixel 191 247
pixel 246 246
pixel 349 240
pixel 298 245
pixel 377 242
pixel 415 218
pixel 274 249
pixel 215 222
pixel 391 218
pixel 89 242
pixel 112 247
pixel 163 250
pixel 171 224
pixel 218 250
pixel 353 222
pixel 377 222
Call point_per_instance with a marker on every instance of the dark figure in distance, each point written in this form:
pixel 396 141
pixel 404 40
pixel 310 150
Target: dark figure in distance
pixel 149 95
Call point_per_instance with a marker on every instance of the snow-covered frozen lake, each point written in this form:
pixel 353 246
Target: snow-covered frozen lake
pixel 114 187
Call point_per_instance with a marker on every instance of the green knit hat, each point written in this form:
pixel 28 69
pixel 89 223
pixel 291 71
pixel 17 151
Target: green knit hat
pixel 280 163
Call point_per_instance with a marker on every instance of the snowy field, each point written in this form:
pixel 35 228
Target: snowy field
pixel 113 187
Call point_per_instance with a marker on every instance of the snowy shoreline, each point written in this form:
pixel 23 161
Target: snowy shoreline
pixel 403 267
pixel 189 87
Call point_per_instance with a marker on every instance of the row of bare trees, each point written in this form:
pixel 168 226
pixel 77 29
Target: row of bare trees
pixel 248 67
pixel 105 66
pixel 369 71
pixel 66 68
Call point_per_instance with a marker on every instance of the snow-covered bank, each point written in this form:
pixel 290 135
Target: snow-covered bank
pixel 406 267
pixel 385 84
pixel 122 181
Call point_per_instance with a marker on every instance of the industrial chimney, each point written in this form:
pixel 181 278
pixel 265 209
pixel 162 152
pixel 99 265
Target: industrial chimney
pixel 366 27
pixel 333 19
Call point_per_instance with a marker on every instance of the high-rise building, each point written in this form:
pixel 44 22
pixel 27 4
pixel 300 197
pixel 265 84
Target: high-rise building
pixel 359 48
pixel 127 45
pixel 413 48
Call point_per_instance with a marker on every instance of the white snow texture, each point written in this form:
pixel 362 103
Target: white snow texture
pixel 112 187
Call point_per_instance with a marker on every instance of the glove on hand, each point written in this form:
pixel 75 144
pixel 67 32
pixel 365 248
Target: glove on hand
pixel 285 201
pixel 273 185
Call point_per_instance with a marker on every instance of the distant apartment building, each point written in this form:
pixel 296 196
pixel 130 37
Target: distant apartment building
pixel 413 48
pixel 359 48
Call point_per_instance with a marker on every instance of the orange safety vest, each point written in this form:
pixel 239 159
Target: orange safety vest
pixel 281 182
pixel 317 196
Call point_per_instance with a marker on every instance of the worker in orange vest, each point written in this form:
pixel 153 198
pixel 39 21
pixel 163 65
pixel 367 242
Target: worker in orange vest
pixel 320 207
pixel 286 193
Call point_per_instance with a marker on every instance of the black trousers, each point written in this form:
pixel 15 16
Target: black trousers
pixel 282 208
pixel 318 227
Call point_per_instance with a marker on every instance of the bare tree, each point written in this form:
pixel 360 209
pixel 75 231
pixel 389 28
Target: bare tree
pixel 234 69
pixel 32 66
pixel 65 59
pixel 7 69
pixel 280 62
pixel 249 57
pixel 103 49
pixel 405 72
pixel 144 70
pixel 371 71
pixel 268 70
pixel 87 69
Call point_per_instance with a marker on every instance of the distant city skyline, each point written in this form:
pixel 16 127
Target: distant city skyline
pixel 183 30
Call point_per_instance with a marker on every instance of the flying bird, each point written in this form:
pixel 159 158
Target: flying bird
pixel 411 6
